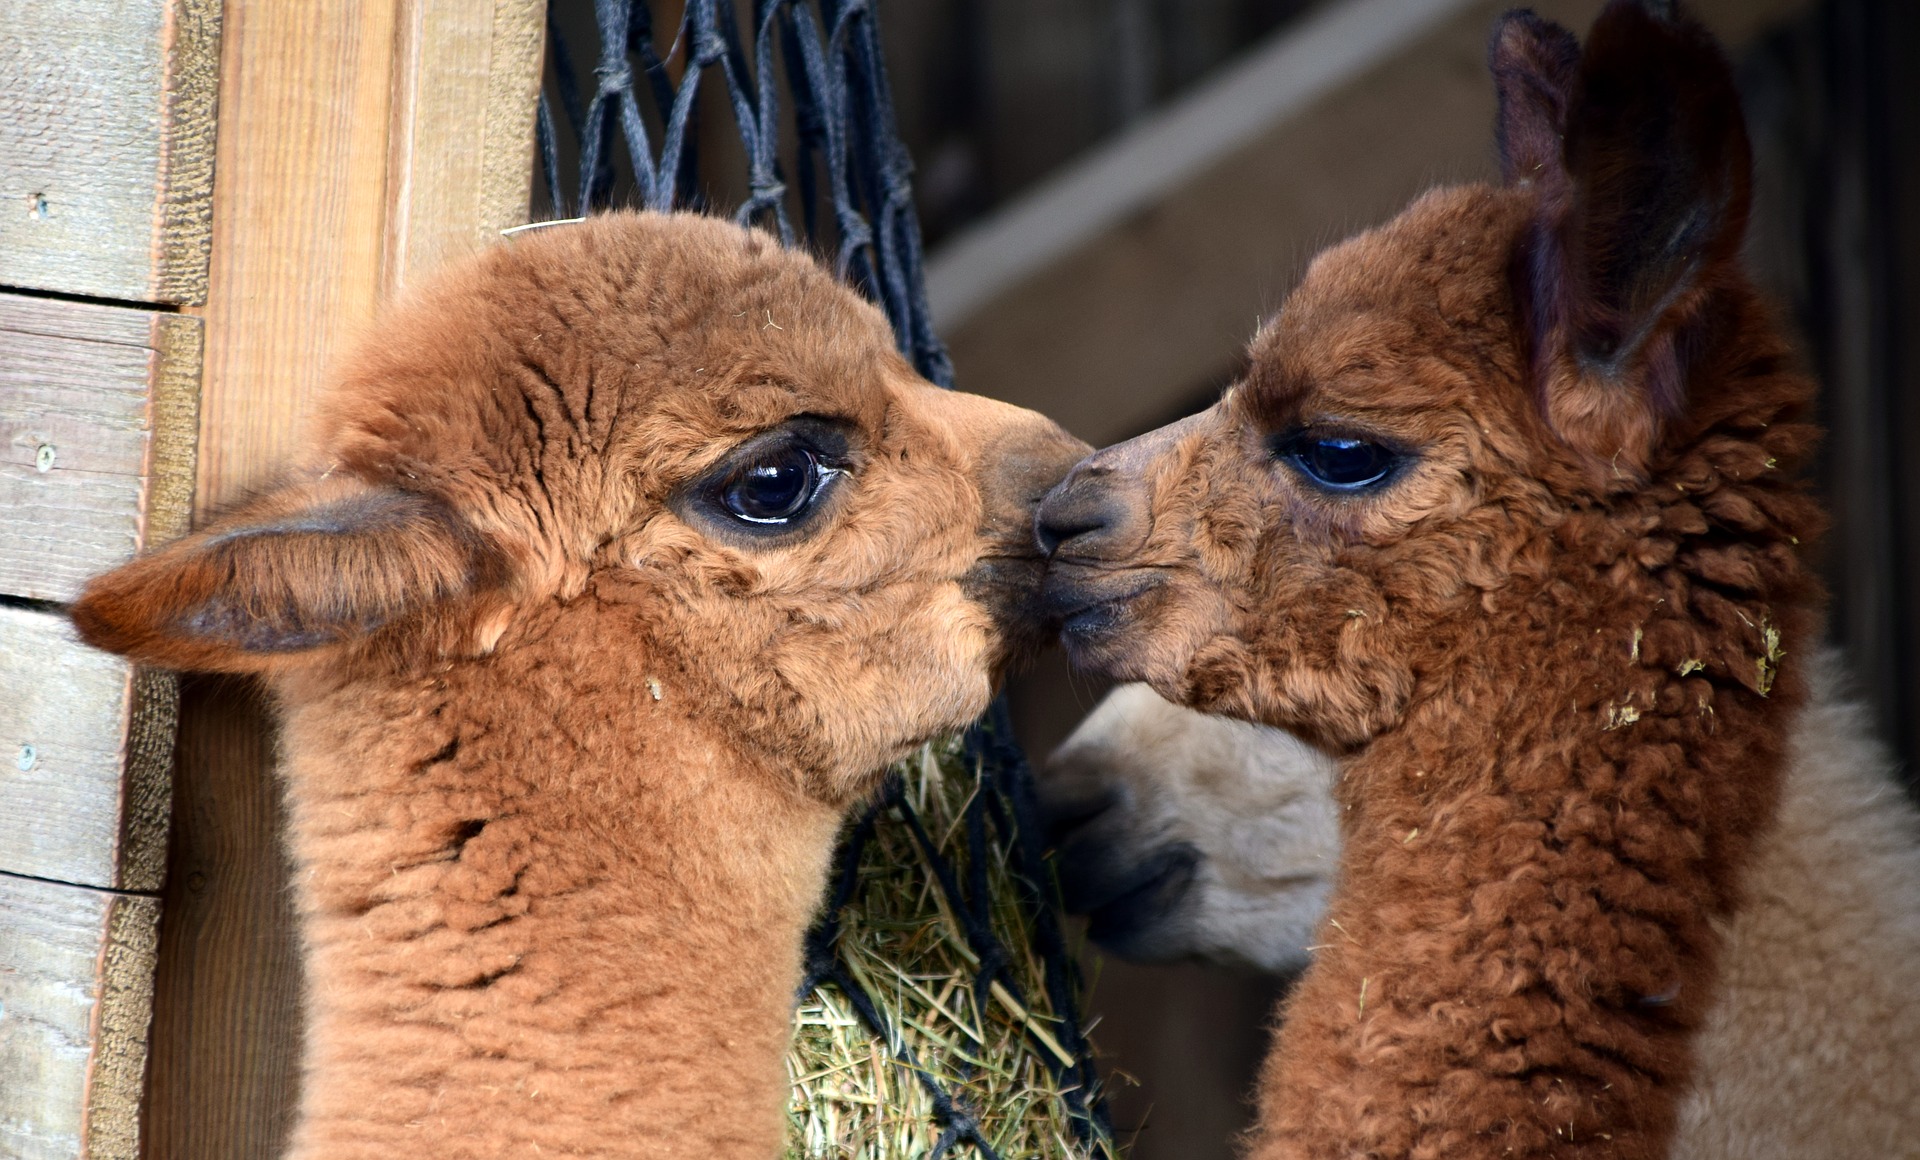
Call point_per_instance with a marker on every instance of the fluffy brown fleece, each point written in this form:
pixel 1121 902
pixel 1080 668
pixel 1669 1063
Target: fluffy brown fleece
pixel 566 741
pixel 1811 1046
pixel 1556 643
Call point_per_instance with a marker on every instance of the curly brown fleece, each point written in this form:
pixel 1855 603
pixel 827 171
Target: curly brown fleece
pixel 565 745
pixel 1558 646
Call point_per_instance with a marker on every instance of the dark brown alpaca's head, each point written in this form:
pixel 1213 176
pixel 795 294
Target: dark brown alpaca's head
pixel 673 418
pixel 1498 378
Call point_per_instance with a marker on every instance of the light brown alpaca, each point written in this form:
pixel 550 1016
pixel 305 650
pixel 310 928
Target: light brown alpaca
pixel 624 557
pixel 1811 1047
pixel 1506 514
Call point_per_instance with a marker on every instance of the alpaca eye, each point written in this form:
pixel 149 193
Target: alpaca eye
pixel 769 489
pixel 1339 462
pixel 776 488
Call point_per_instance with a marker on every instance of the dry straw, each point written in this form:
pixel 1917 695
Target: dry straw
pixel 857 1096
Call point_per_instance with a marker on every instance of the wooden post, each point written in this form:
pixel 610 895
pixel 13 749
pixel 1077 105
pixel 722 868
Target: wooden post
pixel 362 142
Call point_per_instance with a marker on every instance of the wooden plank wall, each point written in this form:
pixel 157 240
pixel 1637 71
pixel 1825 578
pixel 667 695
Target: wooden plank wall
pixel 106 148
pixel 464 98
pixel 88 746
pixel 99 410
pixel 74 1058
pixel 106 156
pixel 361 145
pixel 362 142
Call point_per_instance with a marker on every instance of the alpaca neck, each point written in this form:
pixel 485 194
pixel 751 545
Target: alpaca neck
pixel 542 917
pixel 1520 945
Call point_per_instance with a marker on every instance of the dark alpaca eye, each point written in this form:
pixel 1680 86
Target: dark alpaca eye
pixel 1339 462
pixel 771 488
pixel 776 488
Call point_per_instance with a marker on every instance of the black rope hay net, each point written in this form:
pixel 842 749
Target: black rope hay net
pixel 939 1012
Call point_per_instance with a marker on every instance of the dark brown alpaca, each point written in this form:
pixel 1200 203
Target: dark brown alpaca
pixel 623 559
pixel 1507 513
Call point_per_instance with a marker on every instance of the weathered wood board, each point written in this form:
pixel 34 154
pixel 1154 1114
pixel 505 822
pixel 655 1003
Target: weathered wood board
pixel 361 143
pixel 465 94
pixel 76 999
pixel 86 752
pixel 106 147
pixel 99 415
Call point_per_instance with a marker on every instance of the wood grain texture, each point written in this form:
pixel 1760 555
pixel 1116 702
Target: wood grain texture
pixel 107 146
pixel 76 999
pixel 98 421
pixel 226 1022
pixel 86 751
pixel 362 143
pixel 321 210
pixel 300 201
pixel 1152 317
pixel 466 88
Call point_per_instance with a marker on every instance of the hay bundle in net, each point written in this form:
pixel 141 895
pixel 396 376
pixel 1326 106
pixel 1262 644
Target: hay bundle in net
pixel 936 1013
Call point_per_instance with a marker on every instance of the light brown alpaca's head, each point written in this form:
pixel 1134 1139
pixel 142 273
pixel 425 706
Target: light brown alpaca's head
pixel 674 419
pixel 1497 377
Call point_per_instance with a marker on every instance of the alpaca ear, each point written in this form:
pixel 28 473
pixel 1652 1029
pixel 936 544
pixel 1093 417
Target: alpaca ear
pixel 1637 230
pixel 308 567
pixel 1534 63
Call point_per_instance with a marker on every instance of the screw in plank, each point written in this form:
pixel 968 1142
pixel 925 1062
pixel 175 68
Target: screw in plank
pixel 28 755
pixel 43 458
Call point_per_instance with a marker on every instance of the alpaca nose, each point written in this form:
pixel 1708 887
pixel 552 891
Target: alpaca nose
pixel 1090 516
pixel 1101 513
pixel 1068 812
pixel 1028 461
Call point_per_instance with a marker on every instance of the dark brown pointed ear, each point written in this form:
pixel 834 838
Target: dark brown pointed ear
pixel 1535 63
pixel 311 566
pixel 1624 259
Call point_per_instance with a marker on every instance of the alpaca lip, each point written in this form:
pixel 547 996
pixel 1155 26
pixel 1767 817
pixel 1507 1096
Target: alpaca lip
pixel 1007 584
pixel 1088 621
pixel 1008 588
pixel 1088 602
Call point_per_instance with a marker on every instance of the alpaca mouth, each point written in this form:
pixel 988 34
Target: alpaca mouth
pixel 1091 598
pixel 1008 587
pixel 1094 610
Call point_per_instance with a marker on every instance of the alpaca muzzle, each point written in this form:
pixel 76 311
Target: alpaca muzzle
pixel 1029 457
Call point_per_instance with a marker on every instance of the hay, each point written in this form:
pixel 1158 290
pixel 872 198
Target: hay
pixel 853 1094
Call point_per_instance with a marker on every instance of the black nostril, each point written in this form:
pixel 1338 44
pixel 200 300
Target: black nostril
pixel 1078 510
pixel 1050 534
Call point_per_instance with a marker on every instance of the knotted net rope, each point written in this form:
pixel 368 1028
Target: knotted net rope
pixel 824 167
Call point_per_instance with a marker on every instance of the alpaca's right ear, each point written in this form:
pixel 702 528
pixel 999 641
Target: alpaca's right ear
pixel 308 567
pixel 1640 164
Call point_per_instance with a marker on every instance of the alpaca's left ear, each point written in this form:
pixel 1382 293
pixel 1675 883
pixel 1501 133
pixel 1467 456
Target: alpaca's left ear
pixel 1535 64
pixel 1637 230
pixel 293 575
